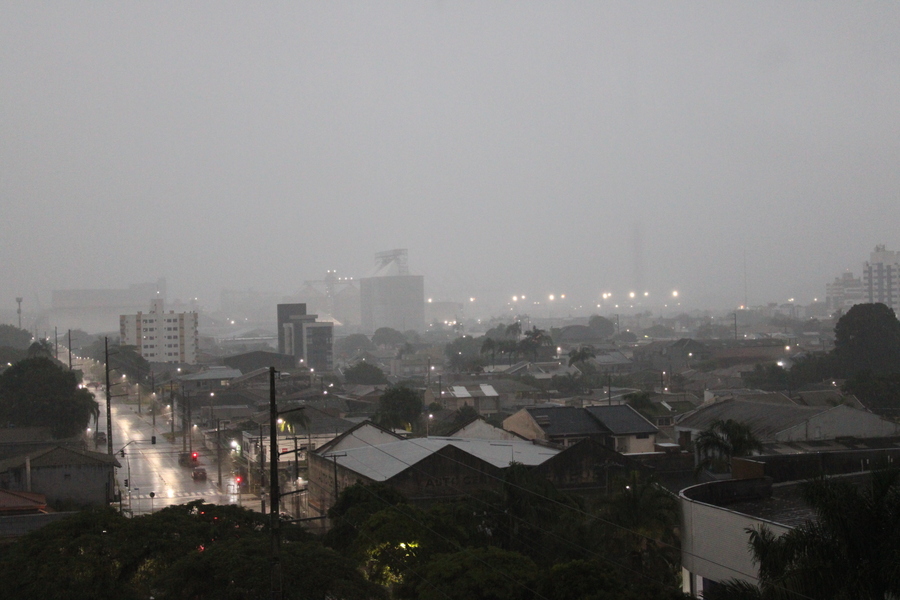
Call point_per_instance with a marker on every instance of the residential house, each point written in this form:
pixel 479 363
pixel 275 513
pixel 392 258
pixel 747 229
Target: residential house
pixel 62 475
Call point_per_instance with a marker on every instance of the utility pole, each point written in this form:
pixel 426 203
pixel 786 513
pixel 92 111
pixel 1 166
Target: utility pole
pixel 19 311
pixel 219 453
pixel 735 326
pixel 273 488
pixel 109 443
pixel 70 349
pixel 55 342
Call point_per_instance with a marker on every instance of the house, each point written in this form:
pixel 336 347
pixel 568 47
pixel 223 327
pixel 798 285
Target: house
pixel 630 431
pixel 16 441
pixel 619 427
pixel 212 379
pixel 479 429
pixel 259 359
pixel 482 397
pixel 423 469
pixel 786 422
pixel 62 475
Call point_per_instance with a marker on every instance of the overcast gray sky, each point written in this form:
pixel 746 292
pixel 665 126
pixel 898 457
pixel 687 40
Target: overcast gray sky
pixel 512 147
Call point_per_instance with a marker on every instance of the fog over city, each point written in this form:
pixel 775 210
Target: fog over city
pixel 731 151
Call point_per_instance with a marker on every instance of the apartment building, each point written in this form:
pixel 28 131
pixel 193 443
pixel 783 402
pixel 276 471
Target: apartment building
pixel 161 336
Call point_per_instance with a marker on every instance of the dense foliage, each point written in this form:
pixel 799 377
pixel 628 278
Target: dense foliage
pixel 36 392
pixel 195 551
pixel 364 373
pixel 398 408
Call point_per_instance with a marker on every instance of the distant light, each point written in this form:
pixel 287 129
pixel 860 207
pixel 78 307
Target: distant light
pixel 515 298
pixel 429 299
pixel 631 294
pixel 646 294
pixel 563 296
pixel 552 297
pixel 471 299
pixel 675 293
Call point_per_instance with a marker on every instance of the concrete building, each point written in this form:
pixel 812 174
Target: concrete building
pixel 309 341
pixel 335 298
pixel 391 297
pixel 161 336
pixel 881 277
pixel 844 292
pixel 98 310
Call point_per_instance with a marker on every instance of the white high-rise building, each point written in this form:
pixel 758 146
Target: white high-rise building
pixel 161 336
pixel 881 277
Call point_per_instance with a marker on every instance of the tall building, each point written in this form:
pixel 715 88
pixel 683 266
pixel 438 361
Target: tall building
pixel 881 277
pixel 300 335
pixel 391 297
pixel 844 292
pixel 161 336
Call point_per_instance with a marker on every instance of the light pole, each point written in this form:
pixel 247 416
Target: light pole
pixel 19 311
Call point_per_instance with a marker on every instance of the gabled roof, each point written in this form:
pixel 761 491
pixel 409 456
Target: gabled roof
pixel 354 431
pixel 622 419
pixel 381 462
pixel 471 391
pixel 565 421
pixel 763 418
pixel 59 456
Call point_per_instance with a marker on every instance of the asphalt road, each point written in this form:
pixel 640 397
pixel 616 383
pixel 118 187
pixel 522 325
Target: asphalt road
pixel 154 469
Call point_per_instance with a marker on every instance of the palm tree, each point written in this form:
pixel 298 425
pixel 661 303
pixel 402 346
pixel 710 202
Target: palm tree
pixel 581 354
pixel 489 346
pixel 717 444
pixel 535 340
pixel 851 549
pixel 514 330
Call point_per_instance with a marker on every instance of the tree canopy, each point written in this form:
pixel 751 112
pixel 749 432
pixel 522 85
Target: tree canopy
pixel 603 326
pixel 36 392
pixel 867 337
pixel 13 337
pixel 386 336
pixel 398 408
pixel 352 344
pixel 364 373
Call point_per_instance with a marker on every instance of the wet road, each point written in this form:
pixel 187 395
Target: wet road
pixel 154 477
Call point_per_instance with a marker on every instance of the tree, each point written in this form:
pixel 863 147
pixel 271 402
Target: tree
pixel 124 359
pixel 464 354
pixel 514 330
pixel 42 348
pixel 489 346
pixel 36 392
pixel 13 337
pixel 867 337
pixel 851 548
pixel 535 340
pixel 352 344
pixel 581 354
pixel 602 326
pixel 486 573
pixel 385 336
pixel 365 374
pixel 722 440
pixel 398 408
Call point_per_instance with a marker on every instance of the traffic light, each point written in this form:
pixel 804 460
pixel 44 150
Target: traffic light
pixel 194 456
pixel 237 480
pixel 152 439
pixel 122 452
pixel 126 483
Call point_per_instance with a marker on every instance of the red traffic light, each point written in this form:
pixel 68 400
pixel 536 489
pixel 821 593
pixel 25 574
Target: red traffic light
pixel 237 479
pixel 194 455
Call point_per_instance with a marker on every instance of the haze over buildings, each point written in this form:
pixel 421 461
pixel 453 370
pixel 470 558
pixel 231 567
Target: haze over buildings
pixel 735 152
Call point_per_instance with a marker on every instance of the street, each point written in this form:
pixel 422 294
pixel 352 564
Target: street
pixel 154 477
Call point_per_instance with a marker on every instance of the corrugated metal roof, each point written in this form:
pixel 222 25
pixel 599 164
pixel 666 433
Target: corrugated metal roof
pixel 764 419
pixel 622 419
pixel 460 391
pixel 381 462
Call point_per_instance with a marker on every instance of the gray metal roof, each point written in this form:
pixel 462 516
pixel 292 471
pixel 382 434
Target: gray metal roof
pixel 764 419
pixel 381 462
pixel 622 419
pixel 212 374
pixel 566 420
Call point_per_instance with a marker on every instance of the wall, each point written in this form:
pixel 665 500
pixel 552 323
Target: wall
pixel 714 539
pixel 522 423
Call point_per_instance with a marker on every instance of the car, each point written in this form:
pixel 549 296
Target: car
pixel 99 437
pixel 199 474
